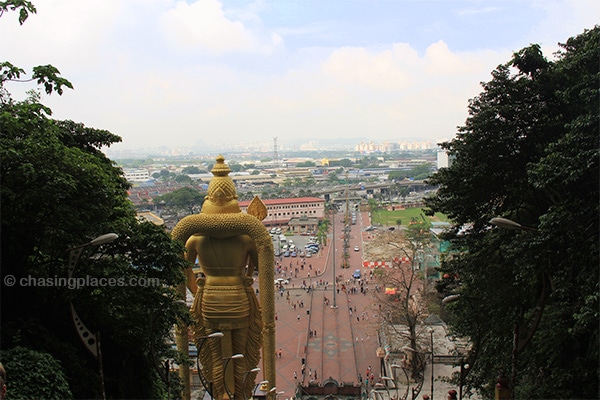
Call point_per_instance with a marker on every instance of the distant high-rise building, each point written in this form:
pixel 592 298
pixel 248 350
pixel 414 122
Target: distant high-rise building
pixel 443 159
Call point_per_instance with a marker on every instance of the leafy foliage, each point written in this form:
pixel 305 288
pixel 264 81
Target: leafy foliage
pixel 34 375
pixel 59 190
pixel 184 200
pixel 528 152
pixel 25 7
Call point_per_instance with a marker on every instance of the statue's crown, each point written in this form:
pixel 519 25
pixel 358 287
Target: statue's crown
pixel 222 197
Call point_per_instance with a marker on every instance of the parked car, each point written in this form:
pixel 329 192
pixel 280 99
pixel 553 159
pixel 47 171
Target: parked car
pixel 294 254
pixel 356 274
pixel 370 228
pixel 286 254
pixel 281 281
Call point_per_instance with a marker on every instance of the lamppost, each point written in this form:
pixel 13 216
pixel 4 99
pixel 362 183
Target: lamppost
pixel 388 379
pixel 432 362
pixel 164 373
pixel 506 223
pixel 227 360
pixel 334 305
pixel 91 341
pixel 520 338
pixel 376 393
pixel 245 378
pixel 381 385
pixel 465 364
pixel 203 339
pixel 463 367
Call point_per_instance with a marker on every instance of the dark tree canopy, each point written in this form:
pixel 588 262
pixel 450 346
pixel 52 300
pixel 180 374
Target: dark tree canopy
pixel 59 191
pixel 528 152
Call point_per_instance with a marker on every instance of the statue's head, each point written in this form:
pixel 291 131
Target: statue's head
pixel 222 197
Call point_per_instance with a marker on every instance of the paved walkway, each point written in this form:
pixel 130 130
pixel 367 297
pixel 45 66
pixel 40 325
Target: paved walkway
pixel 331 342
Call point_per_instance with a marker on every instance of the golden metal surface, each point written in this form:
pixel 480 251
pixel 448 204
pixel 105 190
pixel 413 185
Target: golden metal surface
pixel 229 246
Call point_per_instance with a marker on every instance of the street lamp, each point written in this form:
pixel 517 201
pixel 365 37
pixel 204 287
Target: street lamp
pixel 465 364
pixel 227 359
pixel 376 393
pixel 506 223
pixel 432 362
pixel 201 342
pixel 388 379
pixel 333 255
pixel 91 341
pixel 463 367
pixel 520 339
pixel 246 374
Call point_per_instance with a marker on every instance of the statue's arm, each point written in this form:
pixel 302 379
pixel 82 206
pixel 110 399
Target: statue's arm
pixel 190 255
pixel 252 255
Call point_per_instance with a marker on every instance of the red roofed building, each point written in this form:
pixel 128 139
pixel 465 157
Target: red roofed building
pixel 282 211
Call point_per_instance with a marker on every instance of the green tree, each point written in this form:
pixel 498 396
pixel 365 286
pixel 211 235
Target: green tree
pixel 58 191
pixel 345 162
pixel 528 152
pixel 332 177
pixel 182 178
pixel 398 175
pixel 27 368
pixel 309 181
pixel 191 170
pixel 185 200
pixel 421 172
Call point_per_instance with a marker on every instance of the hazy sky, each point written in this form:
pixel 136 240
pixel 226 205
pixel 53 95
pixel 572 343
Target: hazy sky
pixel 220 73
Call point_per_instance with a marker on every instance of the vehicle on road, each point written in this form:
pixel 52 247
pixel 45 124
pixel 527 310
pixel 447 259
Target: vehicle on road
pixel 356 274
pixel 356 248
pixel 370 228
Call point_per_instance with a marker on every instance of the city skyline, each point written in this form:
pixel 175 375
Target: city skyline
pixel 223 75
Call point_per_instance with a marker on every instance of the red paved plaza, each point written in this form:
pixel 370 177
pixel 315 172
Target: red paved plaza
pixel 334 334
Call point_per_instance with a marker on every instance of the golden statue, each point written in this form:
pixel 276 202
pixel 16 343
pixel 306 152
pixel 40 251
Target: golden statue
pixel 229 245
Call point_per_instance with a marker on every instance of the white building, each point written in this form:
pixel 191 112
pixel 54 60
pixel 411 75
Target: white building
pixel 137 175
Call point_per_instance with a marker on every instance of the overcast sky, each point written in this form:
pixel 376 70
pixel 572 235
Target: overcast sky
pixel 216 74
